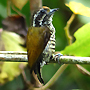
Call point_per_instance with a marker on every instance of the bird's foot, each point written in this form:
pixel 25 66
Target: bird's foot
pixel 57 57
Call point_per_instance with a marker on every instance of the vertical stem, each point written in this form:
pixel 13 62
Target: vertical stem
pixel 54 78
pixel 18 12
pixel 35 4
pixel 8 7
pixel 56 75
pixel 69 37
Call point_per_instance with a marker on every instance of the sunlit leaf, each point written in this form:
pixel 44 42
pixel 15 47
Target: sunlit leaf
pixel 10 70
pixel 79 8
pixel 81 47
pixel 19 3
pixel 12 41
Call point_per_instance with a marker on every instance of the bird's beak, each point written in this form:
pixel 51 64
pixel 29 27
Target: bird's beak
pixel 52 11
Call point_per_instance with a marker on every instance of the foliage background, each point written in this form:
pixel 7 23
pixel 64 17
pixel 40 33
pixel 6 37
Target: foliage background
pixel 71 78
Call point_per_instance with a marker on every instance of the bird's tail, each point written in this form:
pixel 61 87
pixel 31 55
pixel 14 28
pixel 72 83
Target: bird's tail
pixel 37 71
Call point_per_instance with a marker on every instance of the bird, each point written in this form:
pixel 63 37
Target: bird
pixel 41 40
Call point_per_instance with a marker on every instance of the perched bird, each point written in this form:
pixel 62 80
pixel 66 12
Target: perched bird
pixel 41 40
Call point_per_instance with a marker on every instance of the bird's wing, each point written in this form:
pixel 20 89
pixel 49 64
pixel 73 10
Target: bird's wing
pixel 37 39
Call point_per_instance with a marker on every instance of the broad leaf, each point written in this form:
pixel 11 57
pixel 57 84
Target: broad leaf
pixel 19 3
pixel 81 47
pixel 12 41
pixel 79 8
pixel 10 70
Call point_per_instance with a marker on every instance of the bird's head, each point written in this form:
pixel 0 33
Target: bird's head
pixel 43 16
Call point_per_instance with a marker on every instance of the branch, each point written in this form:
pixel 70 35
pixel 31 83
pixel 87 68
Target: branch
pixel 74 60
pixel 13 56
pixel 18 56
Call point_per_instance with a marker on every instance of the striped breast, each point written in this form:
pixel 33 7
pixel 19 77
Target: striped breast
pixel 49 50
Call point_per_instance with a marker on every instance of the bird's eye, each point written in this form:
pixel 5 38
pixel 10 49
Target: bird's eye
pixel 42 11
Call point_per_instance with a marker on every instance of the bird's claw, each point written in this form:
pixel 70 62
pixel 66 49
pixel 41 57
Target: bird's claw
pixel 57 57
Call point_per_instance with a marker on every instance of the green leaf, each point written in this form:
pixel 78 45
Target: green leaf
pixel 3 11
pixel 81 47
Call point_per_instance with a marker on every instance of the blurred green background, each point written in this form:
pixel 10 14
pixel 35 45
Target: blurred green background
pixel 71 79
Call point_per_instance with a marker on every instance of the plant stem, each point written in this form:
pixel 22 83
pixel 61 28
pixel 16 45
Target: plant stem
pixel 69 37
pixel 54 78
pixel 56 75
pixel 8 7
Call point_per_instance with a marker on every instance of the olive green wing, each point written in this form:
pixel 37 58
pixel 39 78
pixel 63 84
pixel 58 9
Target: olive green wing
pixel 37 39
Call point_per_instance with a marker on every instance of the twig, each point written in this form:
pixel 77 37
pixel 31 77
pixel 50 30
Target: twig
pixel 14 52
pixel 69 37
pixel 26 82
pixel 22 57
pixel 74 60
pixel 13 58
pixel 16 10
pixel 83 70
